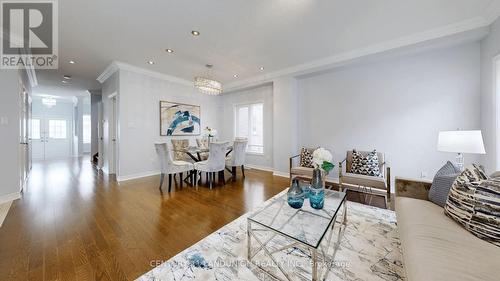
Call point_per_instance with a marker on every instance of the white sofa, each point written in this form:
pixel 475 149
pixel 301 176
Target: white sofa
pixel 435 247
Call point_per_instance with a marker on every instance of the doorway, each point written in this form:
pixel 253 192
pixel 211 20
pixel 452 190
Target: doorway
pixel 51 127
pixel 113 155
pixel 50 137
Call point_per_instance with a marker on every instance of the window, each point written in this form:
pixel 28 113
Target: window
pixel 86 128
pixel 57 129
pixel 35 129
pixel 249 123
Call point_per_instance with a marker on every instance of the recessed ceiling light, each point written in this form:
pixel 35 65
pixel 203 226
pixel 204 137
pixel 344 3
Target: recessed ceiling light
pixel 261 68
pixel 235 76
pixel 67 77
pixel 65 81
pixel 150 62
pixel 169 50
pixel 72 62
pixel 195 33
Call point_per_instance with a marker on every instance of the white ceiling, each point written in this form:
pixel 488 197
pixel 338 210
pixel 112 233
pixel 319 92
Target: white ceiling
pixel 49 83
pixel 239 36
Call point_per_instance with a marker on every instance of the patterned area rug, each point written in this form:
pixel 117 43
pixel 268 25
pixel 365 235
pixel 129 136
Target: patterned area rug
pixel 369 250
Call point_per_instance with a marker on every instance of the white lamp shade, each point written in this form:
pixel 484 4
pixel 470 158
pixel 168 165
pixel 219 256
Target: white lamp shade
pixel 461 142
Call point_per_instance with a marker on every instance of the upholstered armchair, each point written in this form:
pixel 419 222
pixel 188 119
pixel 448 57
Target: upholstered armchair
pixel 302 169
pixel 379 185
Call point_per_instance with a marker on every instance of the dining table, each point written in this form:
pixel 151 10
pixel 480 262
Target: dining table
pixel 195 153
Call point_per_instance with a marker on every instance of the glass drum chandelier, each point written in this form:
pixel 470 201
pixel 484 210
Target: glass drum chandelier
pixel 208 85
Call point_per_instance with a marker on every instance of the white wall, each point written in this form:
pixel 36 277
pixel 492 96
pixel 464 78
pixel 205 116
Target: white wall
pixel 85 110
pixel 139 118
pixel 82 108
pixel 226 128
pixel 397 106
pixel 285 122
pixel 95 101
pixel 490 47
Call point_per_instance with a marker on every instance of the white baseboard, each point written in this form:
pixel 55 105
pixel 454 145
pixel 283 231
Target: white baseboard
pixel 10 197
pixel 262 168
pixel 137 176
pixel 281 174
pixel 267 169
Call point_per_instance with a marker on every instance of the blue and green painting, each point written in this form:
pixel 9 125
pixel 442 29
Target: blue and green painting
pixel 177 119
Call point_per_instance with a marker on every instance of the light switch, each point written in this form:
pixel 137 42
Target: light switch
pixel 4 120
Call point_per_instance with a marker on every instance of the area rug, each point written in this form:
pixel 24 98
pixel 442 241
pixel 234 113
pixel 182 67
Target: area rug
pixel 369 250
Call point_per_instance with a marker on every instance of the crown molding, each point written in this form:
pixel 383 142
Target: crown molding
pixel 110 69
pixel 117 65
pixel 350 56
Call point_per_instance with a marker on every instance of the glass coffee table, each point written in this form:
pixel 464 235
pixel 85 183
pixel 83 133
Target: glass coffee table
pixel 278 229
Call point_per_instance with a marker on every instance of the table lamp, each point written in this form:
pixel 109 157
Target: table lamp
pixel 461 142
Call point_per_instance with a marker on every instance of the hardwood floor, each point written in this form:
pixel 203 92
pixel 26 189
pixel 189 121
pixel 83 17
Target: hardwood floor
pixel 74 223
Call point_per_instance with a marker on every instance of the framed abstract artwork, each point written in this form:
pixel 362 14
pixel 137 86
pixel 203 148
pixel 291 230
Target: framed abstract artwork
pixel 178 119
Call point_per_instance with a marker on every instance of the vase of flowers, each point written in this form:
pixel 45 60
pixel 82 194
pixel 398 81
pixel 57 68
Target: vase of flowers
pixel 322 161
pixel 210 133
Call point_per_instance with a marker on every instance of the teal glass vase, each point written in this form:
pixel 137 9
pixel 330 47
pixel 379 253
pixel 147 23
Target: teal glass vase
pixel 317 190
pixel 295 195
pixel 306 187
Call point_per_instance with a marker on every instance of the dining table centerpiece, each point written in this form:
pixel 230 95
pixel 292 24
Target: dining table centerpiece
pixel 322 162
pixel 210 133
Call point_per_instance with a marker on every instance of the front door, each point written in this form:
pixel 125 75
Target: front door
pixel 51 136
pixel 58 138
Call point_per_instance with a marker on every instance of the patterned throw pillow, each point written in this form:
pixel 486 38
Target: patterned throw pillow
pixel 474 202
pixel 306 157
pixel 442 182
pixel 365 164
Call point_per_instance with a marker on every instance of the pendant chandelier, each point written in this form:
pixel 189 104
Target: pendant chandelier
pixel 208 85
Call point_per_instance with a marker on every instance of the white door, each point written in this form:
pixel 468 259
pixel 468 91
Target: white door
pixel 51 137
pixel 112 135
pixel 58 137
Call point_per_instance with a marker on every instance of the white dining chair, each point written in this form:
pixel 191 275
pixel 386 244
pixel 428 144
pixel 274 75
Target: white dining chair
pixel 237 157
pixel 171 167
pixel 216 162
